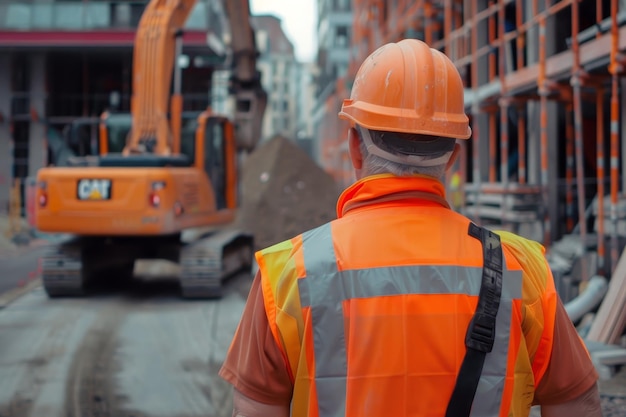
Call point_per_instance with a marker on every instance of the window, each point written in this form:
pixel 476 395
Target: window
pixel 214 161
pixel 262 41
pixel 276 124
pixel 276 68
pixel 343 5
pixel 341 37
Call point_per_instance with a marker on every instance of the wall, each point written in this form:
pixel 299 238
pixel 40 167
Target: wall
pixel 5 133
pixel 37 155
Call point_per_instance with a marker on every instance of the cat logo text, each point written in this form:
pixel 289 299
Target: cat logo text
pixel 94 189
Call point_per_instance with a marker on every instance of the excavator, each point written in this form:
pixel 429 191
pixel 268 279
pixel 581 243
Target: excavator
pixel 158 173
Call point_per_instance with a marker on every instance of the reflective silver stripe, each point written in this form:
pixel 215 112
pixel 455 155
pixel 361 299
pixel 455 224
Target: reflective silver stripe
pixel 327 316
pixel 325 288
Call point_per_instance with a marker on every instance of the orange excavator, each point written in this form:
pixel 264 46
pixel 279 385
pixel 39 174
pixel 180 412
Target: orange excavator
pixel 158 174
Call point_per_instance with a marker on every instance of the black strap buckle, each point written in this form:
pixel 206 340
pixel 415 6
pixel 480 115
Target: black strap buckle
pixel 481 331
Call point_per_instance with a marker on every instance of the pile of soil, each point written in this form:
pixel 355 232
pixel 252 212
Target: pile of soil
pixel 284 193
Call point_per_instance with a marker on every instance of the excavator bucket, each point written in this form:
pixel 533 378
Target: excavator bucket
pixel 250 108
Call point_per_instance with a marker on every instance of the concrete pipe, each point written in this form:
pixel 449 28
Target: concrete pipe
pixel 589 299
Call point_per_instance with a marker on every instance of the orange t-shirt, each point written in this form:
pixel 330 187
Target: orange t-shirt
pixel 255 366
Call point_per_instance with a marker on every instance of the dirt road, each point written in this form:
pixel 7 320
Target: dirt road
pixel 138 351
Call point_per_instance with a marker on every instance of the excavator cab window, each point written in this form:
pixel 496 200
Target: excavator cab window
pixel 118 127
pixel 215 158
pixel 188 136
pixel 81 136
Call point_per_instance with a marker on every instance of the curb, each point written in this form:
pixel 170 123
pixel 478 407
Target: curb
pixel 12 295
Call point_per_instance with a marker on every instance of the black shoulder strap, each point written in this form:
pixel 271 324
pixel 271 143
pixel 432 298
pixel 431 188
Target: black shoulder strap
pixel 482 329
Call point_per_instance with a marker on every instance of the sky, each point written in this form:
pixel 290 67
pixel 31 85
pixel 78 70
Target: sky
pixel 298 21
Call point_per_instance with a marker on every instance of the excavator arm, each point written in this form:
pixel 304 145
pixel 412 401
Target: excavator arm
pixel 245 82
pixel 154 55
pixel 158 42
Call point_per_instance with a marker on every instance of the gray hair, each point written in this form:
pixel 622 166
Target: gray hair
pixel 374 164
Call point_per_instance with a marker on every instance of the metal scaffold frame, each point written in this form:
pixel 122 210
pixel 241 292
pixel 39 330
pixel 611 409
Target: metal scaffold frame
pixel 527 96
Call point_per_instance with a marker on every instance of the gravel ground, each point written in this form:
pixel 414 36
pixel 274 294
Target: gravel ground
pixel 613 395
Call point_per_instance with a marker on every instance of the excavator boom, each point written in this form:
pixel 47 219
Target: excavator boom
pixel 153 62
pixel 156 47
pixel 245 82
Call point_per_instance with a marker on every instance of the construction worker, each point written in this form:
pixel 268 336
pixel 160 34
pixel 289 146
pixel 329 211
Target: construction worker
pixel 401 306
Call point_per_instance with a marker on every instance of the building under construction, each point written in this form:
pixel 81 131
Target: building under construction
pixel 544 94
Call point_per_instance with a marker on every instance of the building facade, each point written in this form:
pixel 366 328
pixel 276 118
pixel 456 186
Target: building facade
pixel 305 99
pixel 279 68
pixel 334 27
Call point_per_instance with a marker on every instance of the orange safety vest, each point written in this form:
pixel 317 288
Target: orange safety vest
pixel 371 310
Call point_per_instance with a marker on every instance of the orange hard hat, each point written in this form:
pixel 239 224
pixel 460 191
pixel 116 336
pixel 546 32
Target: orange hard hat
pixel 408 87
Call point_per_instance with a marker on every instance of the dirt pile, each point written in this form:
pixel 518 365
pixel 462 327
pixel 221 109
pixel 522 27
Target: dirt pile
pixel 284 193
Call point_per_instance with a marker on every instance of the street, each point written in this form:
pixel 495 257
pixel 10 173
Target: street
pixel 134 350
pixel 18 267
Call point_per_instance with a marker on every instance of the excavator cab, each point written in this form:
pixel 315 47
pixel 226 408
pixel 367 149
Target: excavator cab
pixel 115 129
pixel 210 133
pixel 218 148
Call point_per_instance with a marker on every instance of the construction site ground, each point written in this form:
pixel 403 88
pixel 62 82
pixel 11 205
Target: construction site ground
pixel 130 350
pixel 133 350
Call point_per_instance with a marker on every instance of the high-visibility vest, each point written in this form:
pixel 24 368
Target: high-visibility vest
pixel 371 310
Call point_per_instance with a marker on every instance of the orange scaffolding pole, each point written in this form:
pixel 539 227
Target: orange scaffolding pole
pixel 600 177
pixel 519 17
pixel 543 123
pixel 504 103
pixel 493 143
pixel 521 144
pixel 569 168
pixel 578 138
pixel 475 111
pixel 447 23
pixel 493 136
pixel 463 169
pixel 614 69
pixel 598 17
pixel 428 18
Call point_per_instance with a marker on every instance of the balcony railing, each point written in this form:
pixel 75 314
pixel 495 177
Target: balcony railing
pixel 73 16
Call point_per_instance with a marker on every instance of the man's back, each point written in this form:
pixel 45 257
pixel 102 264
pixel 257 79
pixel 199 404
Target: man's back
pixel 404 288
pixel 369 313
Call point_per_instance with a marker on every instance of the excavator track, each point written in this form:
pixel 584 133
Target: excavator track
pixel 206 262
pixel 62 271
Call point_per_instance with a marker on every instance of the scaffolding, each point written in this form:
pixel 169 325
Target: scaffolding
pixel 540 76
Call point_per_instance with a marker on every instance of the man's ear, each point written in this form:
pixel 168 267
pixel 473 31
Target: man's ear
pixel 354 143
pixel 454 156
